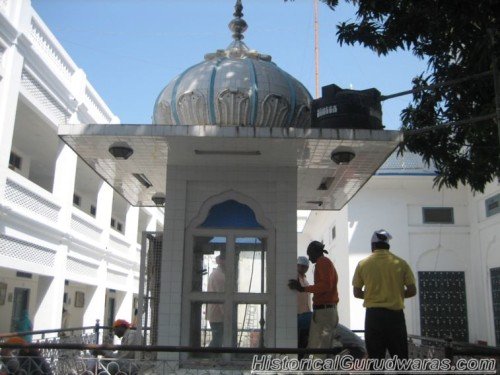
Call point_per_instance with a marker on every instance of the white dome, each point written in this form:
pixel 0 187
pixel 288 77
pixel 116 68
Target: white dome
pixel 234 87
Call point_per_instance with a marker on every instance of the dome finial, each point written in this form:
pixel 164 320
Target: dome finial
pixel 238 25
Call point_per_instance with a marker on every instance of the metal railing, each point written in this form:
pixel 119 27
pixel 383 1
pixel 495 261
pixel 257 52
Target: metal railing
pixel 73 351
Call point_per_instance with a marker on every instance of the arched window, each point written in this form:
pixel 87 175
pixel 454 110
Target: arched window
pixel 226 292
pixel 231 214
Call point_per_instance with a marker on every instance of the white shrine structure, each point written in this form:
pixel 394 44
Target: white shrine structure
pixel 228 162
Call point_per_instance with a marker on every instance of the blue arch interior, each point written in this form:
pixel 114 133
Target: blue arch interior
pixel 231 214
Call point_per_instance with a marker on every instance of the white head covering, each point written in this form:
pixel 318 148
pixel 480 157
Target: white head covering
pixel 303 261
pixel 381 236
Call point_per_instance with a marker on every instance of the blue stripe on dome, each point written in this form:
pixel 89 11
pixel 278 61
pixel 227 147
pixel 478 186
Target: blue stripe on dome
pixel 211 93
pixel 293 96
pixel 156 104
pixel 173 101
pixel 255 94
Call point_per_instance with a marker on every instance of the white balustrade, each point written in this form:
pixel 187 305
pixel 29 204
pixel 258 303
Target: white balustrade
pixel 38 94
pixel 82 268
pixel 118 243
pixel 40 257
pixel 46 41
pixel 97 107
pixel 117 279
pixel 85 224
pixel 28 195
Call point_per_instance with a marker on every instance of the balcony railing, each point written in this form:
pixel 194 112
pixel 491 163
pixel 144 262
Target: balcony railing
pixel 50 47
pixel 23 193
pixel 119 243
pixel 85 224
pixel 96 105
pixel 72 351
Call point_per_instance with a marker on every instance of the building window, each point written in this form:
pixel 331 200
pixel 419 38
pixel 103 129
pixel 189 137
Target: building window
pixel 438 215
pixel 93 210
pixel 492 205
pixel 24 275
pixel 443 305
pixel 15 161
pixel 116 225
pixel 228 306
pixel 77 200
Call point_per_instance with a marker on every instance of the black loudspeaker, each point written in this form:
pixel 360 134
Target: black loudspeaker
pixel 347 109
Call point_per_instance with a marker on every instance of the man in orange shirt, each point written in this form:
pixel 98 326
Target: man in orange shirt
pixel 325 298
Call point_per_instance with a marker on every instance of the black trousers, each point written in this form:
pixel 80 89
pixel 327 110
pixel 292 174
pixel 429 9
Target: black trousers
pixel 385 330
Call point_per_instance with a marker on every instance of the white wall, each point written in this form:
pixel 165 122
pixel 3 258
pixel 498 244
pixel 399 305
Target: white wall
pixel 484 255
pixel 471 244
pixel 274 191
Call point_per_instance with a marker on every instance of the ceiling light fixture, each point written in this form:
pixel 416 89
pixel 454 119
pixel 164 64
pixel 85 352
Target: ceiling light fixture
pixel 158 199
pixel 342 157
pixel 120 150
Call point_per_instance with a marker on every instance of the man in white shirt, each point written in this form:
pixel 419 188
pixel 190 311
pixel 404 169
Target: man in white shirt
pixel 215 311
pixel 304 312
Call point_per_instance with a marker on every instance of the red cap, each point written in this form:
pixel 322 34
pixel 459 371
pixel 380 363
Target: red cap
pixel 16 340
pixel 121 323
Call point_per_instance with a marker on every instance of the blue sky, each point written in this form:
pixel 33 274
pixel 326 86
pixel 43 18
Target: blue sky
pixel 131 49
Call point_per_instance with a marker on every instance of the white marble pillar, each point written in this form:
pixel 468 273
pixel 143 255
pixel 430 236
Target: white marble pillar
pixel 131 227
pixel 104 210
pixel 64 182
pixel 97 299
pixel 19 13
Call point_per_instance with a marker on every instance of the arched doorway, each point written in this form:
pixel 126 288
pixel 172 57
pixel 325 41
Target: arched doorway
pixel 228 294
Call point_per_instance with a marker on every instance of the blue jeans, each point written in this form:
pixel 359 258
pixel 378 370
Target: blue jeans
pixel 303 324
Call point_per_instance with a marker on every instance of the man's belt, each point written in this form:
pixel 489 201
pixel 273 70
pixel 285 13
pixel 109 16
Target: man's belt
pixel 325 306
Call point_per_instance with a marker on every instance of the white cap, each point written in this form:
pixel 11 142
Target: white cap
pixel 381 236
pixel 303 261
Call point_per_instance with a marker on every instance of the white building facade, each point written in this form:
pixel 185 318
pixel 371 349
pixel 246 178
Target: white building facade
pixel 66 239
pixel 449 237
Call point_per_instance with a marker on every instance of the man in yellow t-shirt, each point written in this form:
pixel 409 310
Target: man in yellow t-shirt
pixel 383 281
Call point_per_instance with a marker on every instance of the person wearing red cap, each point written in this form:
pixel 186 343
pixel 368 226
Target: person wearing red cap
pixel 28 361
pixel 121 328
pixel 8 358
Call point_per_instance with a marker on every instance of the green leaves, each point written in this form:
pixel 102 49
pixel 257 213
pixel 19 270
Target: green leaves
pixel 454 37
